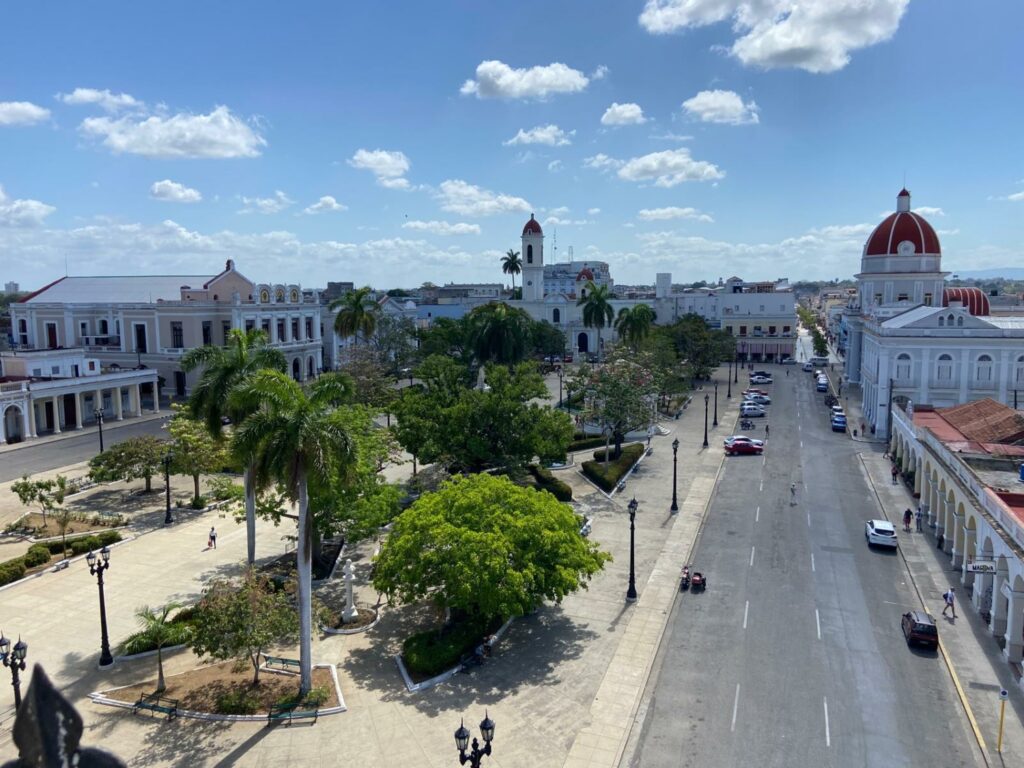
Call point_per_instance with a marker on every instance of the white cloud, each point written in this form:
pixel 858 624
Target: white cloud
pixel 109 102
pixel 601 162
pixel 814 35
pixel 465 199
pixel 927 210
pixel 559 211
pixel 219 134
pixel 173 192
pixel 549 135
pixel 600 73
pixel 21 113
pixel 593 211
pixel 946 232
pixel 669 168
pixel 669 136
pixel 267 205
pixel 1016 196
pixel 388 166
pixel 672 212
pixel 325 204
pixel 21 213
pixel 722 107
pixel 558 221
pixel 497 80
pixel 443 227
pixel 555 166
pixel 623 114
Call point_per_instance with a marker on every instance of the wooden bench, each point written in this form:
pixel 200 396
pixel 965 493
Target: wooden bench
pixel 60 565
pixel 156 703
pixel 271 660
pixel 280 714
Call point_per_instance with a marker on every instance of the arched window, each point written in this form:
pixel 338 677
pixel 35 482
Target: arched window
pixel 983 372
pixel 949 319
pixel 529 254
pixel 959 322
pixel 944 369
pixel 903 367
pixel 556 315
pixel 942 321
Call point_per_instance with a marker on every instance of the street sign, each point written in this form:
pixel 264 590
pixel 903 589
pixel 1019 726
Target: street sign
pixel 982 567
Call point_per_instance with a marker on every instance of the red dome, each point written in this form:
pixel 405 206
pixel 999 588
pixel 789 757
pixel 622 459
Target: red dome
pixel 974 299
pixel 904 226
pixel 585 274
pixel 532 227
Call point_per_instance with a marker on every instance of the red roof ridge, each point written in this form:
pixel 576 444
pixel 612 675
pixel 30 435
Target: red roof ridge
pixel 44 288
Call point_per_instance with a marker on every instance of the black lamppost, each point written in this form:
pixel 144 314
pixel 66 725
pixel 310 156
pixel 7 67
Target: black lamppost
pixel 167 486
pixel 675 450
pixel 476 754
pixel 99 423
pixel 728 381
pixel 735 368
pixel 631 592
pixel 559 385
pixel 96 568
pixel 716 405
pixel 15 659
pixel 706 398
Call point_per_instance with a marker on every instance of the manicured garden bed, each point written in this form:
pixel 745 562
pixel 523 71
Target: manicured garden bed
pixel 607 477
pixel 43 554
pixel 281 569
pixel 545 481
pixel 430 653
pixel 32 525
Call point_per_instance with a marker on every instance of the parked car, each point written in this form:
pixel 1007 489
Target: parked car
pixel 880 532
pixel 752 410
pixel 761 373
pixel 837 410
pixel 756 397
pixel 742 439
pixel 822 385
pixel 838 423
pixel 760 379
pixel 753 391
pixel 744 448
pixel 919 627
pixel 808 367
pixel 787 361
pixel 567 358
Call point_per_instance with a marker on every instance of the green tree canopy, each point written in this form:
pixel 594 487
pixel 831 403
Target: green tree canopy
pixel 449 338
pixel 634 324
pixel 357 314
pixel 499 333
pixel 194 451
pixel 618 397
pixel 488 547
pixel 699 347
pixel 512 265
pixel 155 629
pixel 48 495
pixel 597 308
pixel 546 339
pixel 137 458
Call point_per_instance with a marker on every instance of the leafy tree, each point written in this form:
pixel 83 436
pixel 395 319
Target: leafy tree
pixel 194 451
pixel 512 265
pixel 357 314
pixel 499 333
pixel 238 621
pixel 444 379
pixel 483 545
pixel 413 428
pixel 449 338
pixel 618 397
pixel 137 458
pixel 48 495
pixel 701 348
pixel 546 339
pixel 634 324
pixel 224 368
pixel 394 342
pixel 297 438
pixel 156 630
pixel 371 384
pixel 597 308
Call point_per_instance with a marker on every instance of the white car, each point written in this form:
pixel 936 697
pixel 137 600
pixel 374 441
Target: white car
pixel 758 398
pixel 760 379
pixel 837 410
pixel 808 367
pixel 752 410
pixel 742 439
pixel 880 532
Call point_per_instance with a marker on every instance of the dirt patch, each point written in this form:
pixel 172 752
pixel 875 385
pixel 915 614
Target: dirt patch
pixel 365 618
pixel 33 523
pixel 220 689
pixel 282 569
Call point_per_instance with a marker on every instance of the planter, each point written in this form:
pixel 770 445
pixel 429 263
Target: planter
pixel 342 630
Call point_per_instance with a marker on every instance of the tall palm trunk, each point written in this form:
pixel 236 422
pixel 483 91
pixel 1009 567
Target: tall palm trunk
pixel 250 513
pixel 305 564
pixel 161 686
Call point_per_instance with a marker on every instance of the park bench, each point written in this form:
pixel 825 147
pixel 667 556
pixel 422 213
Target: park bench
pixel 156 703
pixel 60 565
pixel 280 714
pixel 272 660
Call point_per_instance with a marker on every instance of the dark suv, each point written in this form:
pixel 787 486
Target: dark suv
pixel 919 627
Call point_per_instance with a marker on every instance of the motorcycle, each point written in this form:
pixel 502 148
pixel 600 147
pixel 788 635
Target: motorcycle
pixel 746 424
pixel 684 581
pixel 699 581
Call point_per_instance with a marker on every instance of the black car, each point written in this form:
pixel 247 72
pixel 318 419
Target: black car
pixel 919 627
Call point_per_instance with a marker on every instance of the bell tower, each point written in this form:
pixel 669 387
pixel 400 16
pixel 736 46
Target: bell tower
pixel 533 261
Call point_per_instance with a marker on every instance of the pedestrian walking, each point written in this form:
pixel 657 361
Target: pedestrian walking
pixel 212 539
pixel 907 516
pixel 765 431
pixel 950 599
pixel 895 473
pixel 792 494
pixel 917 518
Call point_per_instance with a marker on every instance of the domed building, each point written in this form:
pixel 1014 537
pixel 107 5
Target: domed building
pixel 910 337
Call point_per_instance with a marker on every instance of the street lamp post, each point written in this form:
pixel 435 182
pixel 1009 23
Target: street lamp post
pixel 631 591
pixel 706 398
pixel 728 381
pixel 560 385
pixel 476 753
pixel 96 568
pixel 675 461
pixel 716 405
pixel 167 486
pixel 15 659
pixel 99 423
pixel 735 368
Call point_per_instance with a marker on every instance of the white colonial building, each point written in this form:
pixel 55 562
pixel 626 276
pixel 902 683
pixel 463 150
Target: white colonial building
pixel 911 337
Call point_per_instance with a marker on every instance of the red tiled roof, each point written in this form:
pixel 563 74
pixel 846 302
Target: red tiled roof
pixel 532 226
pixel 986 421
pixel 44 288
pixel 974 299
pixel 900 226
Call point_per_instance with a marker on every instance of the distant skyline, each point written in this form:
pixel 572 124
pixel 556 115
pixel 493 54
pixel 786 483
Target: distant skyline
pixel 393 144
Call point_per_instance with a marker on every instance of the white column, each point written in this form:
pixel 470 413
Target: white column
pixel 29 418
pixel 115 393
pixel 56 416
pixel 1005 372
pixel 79 402
pixel 967 577
pixel 998 624
pixel 137 394
pixel 958 542
pixel 97 402
pixel 3 427
pixel 1013 651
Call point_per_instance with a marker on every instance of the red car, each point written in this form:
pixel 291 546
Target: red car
pixel 741 447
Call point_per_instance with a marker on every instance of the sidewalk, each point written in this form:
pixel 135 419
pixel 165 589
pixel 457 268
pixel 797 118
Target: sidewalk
pixel 88 429
pixel 974 659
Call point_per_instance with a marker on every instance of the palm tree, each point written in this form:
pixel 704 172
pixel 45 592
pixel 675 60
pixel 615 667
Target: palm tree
pixel 499 333
pixel 297 437
pixel 357 314
pixel 224 369
pixel 512 265
pixel 634 324
pixel 597 309
pixel 155 630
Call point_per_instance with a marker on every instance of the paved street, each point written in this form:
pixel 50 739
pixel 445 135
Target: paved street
pixel 71 448
pixel 794 655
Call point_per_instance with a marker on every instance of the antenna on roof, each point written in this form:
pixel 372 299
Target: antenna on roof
pixel 554 258
pixel 65 264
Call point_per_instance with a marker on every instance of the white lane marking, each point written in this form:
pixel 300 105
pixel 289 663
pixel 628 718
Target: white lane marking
pixel 735 707
pixel 817 622
pixel 746 607
pixel 751 557
pixel 764 460
pixel 801 443
pixel 762 487
pixel 828 735
pixel 812 563
pixel 808 519
pixel 757 515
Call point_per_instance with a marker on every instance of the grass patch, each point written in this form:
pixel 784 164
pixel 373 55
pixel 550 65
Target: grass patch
pixel 607 477
pixel 430 653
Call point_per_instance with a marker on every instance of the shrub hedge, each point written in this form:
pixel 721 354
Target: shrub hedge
pixel 14 569
pixel 608 477
pixel 431 653
pixel 37 555
pixel 582 441
pixel 548 482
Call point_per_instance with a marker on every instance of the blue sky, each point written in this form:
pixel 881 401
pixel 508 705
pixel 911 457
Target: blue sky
pixel 395 143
